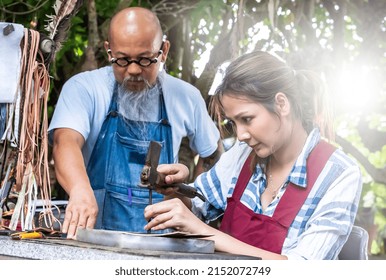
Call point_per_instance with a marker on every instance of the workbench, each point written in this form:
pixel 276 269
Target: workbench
pixel 67 249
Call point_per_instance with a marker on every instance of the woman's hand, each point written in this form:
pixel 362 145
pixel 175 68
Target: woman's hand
pixel 173 214
pixel 171 174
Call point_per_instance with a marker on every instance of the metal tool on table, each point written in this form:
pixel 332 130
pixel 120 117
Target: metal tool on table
pixel 171 242
pixel 151 179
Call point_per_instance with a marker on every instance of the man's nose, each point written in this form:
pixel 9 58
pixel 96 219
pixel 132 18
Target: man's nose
pixel 134 69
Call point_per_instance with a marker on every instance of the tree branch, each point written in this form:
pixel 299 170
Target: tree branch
pixel 378 174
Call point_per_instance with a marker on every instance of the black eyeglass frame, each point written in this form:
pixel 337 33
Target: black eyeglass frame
pixel 141 61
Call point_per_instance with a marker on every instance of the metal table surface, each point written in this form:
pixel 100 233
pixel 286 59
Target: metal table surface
pixel 66 249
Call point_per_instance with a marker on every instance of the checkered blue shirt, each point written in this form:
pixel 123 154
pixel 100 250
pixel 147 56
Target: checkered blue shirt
pixel 323 223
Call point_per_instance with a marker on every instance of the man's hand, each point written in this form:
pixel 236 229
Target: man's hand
pixel 81 212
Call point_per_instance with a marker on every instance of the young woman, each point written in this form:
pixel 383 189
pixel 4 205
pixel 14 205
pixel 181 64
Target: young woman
pixel 284 191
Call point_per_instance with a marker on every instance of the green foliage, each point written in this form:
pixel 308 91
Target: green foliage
pixel 348 36
pixel 204 31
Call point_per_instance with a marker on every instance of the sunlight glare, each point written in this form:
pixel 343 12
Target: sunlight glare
pixel 352 89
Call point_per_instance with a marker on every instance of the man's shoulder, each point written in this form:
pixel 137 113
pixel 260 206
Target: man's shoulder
pixel 177 83
pixel 100 75
pixel 94 84
pixel 177 90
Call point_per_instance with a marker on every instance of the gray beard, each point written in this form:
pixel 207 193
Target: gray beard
pixel 139 106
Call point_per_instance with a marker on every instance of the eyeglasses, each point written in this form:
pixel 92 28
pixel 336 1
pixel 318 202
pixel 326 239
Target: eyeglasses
pixel 141 61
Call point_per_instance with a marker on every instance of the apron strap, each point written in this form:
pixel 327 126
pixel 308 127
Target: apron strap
pixel 295 196
pixel 163 118
pixel 244 177
pixel 113 108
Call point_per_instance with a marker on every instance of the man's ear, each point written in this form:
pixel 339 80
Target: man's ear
pixel 282 104
pixel 165 51
pixel 107 48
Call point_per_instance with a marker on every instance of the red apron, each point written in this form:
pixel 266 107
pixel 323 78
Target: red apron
pixel 266 232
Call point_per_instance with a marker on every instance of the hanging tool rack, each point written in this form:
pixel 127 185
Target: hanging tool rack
pixel 24 166
pixel 24 169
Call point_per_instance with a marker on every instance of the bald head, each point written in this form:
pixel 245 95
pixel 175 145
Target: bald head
pixel 135 34
pixel 133 21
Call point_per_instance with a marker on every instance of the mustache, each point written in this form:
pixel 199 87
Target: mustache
pixel 129 79
pixel 133 79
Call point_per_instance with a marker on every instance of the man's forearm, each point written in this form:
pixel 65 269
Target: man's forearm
pixel 204 164
pixel 68 159
pixel 69 169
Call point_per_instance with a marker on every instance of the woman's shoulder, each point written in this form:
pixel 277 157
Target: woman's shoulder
pixel 235 157
pixel 341 160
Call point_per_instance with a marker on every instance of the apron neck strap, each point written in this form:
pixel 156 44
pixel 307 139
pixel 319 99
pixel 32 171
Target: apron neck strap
pixel 295 196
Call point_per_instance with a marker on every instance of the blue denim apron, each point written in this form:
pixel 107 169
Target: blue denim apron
pixel 116 163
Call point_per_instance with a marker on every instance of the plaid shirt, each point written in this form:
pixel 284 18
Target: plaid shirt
pixel 322 225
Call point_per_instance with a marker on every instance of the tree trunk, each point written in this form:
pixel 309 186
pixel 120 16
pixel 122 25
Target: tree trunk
pixel 93 38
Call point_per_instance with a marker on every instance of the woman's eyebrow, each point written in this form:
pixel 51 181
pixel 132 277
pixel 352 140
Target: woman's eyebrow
pixel 240 114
